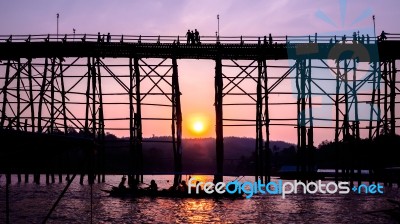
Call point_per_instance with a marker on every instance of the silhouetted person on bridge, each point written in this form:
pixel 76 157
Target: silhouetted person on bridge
pixel 188 36
pixel 354 37
pixel 344 39
pixel 196 36
pixel 367 39
pixel 192 38
pixel 98 37
pixel 270 40
pixel 383 36
pixel 108 38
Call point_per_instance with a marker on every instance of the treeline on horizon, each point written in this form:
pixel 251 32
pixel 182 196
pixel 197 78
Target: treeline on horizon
pixel 49 154
pixel 198 155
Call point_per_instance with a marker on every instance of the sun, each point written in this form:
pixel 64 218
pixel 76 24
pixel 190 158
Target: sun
pixel 198 126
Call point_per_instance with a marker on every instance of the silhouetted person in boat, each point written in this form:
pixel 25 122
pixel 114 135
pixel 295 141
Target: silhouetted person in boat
pixel 121 185
pixel 183 187
pixel 134 184
pixel 153 186
pixel 173 188
pixel 196 36
pixel 108 38
pixel 188 37
pixel 193 189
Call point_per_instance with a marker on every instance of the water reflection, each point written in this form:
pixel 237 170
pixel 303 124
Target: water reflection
pixel 30 203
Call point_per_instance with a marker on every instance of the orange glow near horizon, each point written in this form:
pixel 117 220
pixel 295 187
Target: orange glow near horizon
pixel 198 125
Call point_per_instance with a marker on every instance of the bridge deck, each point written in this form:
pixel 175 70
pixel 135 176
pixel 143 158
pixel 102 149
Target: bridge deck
pixel 227 48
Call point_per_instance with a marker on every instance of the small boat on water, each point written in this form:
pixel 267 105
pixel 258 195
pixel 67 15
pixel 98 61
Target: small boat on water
pixel 126 192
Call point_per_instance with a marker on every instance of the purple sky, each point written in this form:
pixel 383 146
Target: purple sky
pixel 256 17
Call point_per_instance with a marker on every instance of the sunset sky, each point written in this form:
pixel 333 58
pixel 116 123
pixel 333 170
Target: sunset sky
pixel 247 18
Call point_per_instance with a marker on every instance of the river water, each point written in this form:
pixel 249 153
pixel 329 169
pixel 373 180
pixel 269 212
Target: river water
pixel 29 203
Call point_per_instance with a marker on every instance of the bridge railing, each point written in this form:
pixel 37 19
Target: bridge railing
pixel 104 38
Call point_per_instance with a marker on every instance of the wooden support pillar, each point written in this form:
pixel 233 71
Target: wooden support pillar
pixel 356 132
pixel 18 127
pixel 379 118
pixel 310 132
pixel 138 123
pixel 26 178
pixel 176 124
pixel 355 162
pixel 101 132
pixel 5 88
pixel 393 98
pixel 385 99
pixel 301 117
pixel 42 94
pixel 298 154
pixel 259 136
pixel 91 174
pixel 31 97
pixel 132 149
pixel 88 103
pixel 337 128
pixel 373 98
pixel 52 93
pixel 267 149
pixel 303 128
pixel 36 178
pixel 346 128
pixel 63 96
pixel 218 177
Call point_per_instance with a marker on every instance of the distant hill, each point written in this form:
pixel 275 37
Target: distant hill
pixel 198 154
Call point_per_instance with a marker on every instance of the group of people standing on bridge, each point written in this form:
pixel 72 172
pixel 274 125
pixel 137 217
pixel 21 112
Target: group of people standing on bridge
pixel 102 39
pixel 193 37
